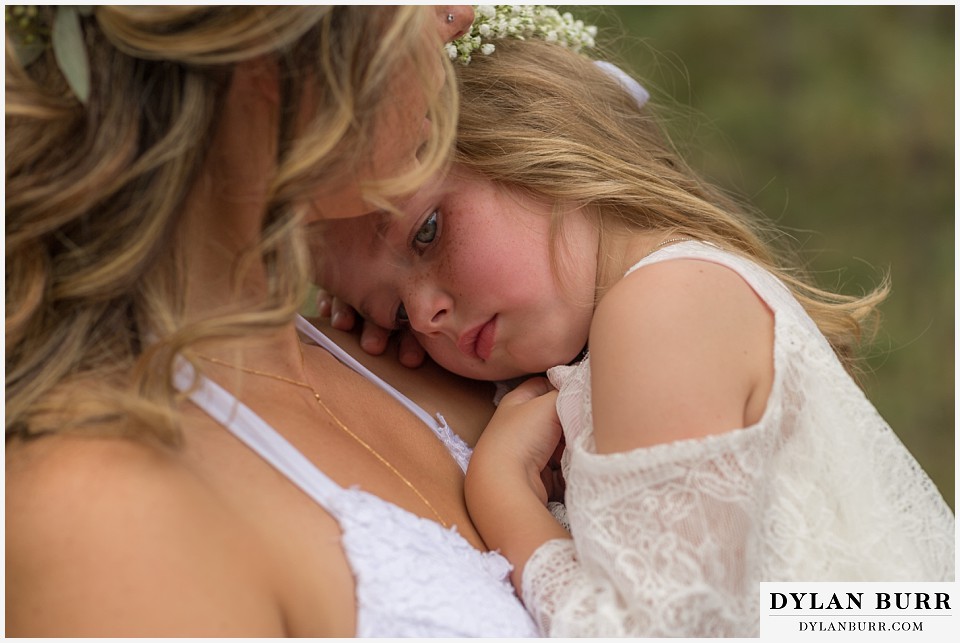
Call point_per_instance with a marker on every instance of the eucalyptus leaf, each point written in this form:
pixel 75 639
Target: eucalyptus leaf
pixel 28 52
pixel 70 51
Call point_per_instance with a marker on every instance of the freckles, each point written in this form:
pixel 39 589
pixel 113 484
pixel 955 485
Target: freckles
pixel 452 258
pixel 443 266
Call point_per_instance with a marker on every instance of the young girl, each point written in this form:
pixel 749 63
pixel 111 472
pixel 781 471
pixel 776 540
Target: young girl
pixel 714 435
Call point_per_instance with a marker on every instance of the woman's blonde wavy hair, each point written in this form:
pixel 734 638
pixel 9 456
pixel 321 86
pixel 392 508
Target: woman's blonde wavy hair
pixel 538 118
pixel 95 281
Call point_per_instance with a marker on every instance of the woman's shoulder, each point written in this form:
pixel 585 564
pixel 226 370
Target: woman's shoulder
pixel 73 471
pixel 113 536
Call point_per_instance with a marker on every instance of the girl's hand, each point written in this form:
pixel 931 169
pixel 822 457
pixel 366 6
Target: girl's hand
pixel 524 437
pixel 373 338
pixel 509 481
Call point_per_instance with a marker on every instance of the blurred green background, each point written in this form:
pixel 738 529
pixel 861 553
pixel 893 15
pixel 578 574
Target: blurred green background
pixel 838 123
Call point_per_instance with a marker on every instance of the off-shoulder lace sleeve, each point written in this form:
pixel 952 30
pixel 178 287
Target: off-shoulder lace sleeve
pixel 663 551
pixel 673 540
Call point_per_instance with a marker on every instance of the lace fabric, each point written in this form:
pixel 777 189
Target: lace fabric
pixel 672 540
pixel 414 578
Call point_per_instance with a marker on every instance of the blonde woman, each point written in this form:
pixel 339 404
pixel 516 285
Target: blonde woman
pixel 179 461
pixel 714 437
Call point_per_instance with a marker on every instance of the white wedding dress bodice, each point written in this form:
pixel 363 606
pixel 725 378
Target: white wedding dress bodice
pixel 672 540
pixel 414 578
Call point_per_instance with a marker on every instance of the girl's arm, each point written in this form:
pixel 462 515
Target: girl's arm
pixel 679 350
pixel 504 488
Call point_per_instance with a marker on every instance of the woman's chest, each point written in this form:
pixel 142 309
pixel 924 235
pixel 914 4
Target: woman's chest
pixel 292 542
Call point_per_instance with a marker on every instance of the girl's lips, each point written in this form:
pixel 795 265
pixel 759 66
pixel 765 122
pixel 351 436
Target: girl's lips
pixel 485 339
pixel 478 341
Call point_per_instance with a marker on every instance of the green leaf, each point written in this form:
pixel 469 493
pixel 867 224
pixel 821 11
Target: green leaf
pixel 70 51
pixel 27 53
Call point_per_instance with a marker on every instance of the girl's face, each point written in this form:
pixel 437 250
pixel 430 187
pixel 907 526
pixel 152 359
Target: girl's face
pixel 467 266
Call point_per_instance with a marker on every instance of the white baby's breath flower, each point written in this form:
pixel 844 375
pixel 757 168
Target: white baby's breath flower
pixel 493 22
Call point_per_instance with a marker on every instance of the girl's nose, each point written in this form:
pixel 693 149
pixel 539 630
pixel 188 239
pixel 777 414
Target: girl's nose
pixel 455 20
pixel 428 310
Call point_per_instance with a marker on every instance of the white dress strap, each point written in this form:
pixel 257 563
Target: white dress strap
pixel 259 436
pixel 346 358
pixel 414 578
pixel 455 445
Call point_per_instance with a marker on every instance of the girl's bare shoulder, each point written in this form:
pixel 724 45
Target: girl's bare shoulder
pixel 679 349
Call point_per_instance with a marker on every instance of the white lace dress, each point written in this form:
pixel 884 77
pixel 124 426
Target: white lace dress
pixel 672 540
pixel 414 578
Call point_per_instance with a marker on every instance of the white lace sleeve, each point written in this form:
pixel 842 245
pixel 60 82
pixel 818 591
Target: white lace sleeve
pixel 661 552
pixel 672 540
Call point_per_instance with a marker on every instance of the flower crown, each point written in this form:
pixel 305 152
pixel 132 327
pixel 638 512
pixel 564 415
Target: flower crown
pixel 520 21
pixel 536 21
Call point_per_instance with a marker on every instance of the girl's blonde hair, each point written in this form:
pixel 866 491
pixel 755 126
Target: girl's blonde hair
pixel 541 119
pixel 95 279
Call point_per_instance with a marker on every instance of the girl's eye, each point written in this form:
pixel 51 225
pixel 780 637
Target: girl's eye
pixel 401 316
pixel 428 231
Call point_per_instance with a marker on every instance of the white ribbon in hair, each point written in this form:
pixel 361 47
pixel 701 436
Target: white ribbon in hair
pixel 626 81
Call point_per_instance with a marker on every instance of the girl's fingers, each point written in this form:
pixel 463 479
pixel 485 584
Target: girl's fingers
pixel 528 390
pixel 324 303
pixel 411 352
pixel 373 338
pixel 342 316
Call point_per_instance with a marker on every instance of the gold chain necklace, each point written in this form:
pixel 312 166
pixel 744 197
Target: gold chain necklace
pixel 306 385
